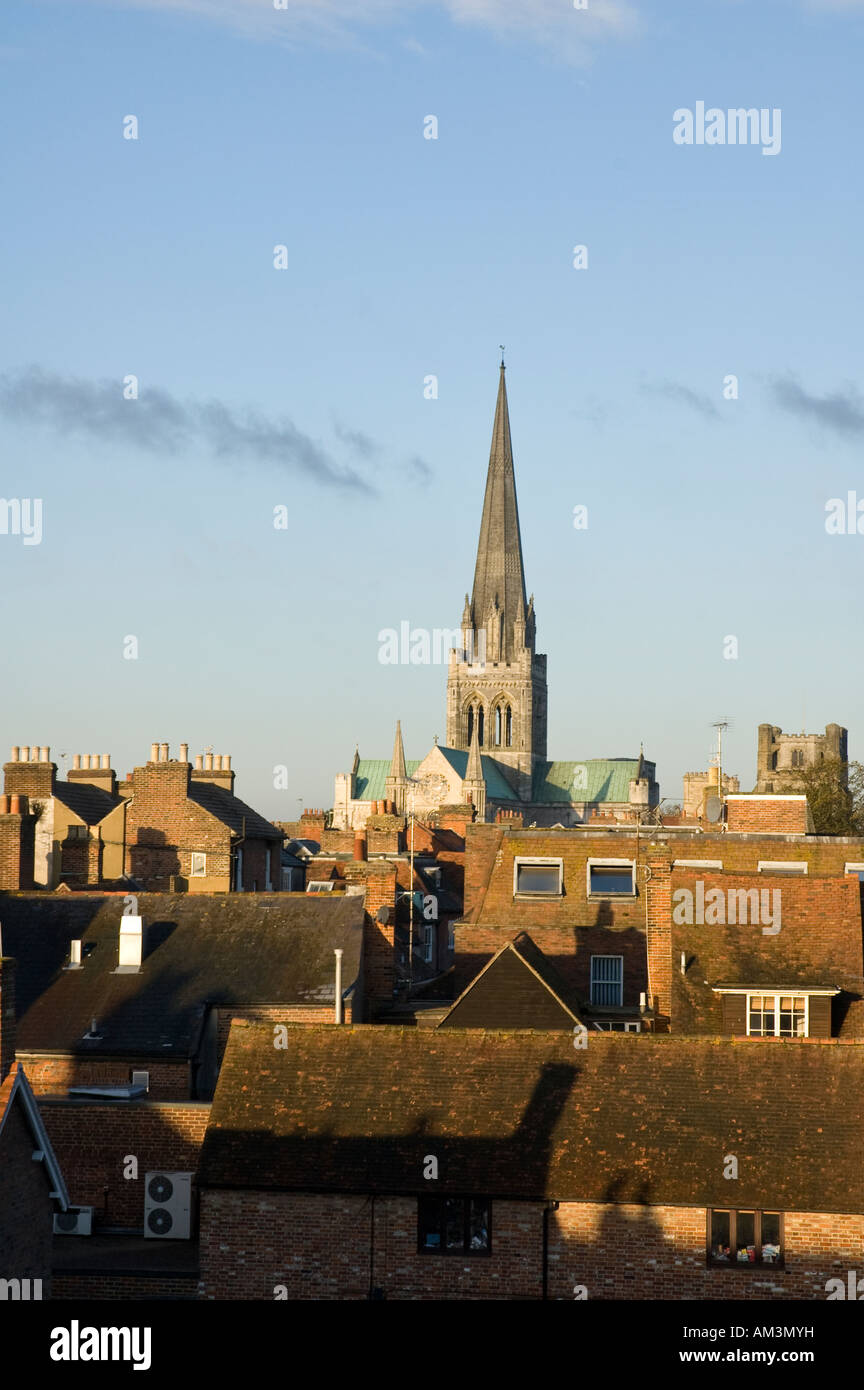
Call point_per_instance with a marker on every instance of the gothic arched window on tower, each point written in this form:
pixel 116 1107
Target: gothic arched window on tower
pixel 498 727
pixel 508 727
pixel 480 725
pixel 470 724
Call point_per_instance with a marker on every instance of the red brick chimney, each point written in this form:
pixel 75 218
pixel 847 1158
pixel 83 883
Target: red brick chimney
pixel 7 1016
pixel 30 771
pixel 658 891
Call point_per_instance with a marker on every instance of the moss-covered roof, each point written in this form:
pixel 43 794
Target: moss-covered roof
pixel 523 1114
pixel 199 949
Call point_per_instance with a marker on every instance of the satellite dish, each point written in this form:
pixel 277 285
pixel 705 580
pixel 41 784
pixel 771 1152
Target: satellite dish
pixel 713 809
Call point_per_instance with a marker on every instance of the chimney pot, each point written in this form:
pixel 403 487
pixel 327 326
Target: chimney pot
pixel 75 952
pixel 25 753
pixel 16 754
pixel 4 805
pixel 227 762
pixel 199 762
pixel 44 755
pixel 15 804
pixel 76 761
pixel 218 762
pixel 208 762
pixel 360 849
pixel 184 752
pixel 106 760
pixel 163 752
pixel 154 752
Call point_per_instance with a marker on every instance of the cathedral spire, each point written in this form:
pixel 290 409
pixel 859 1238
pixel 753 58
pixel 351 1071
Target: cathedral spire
pixel 499 575
pixel 397 764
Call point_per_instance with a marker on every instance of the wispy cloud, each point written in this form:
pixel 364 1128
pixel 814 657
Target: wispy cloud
pixel 160 423
pixel 554 24
pixel 841 411
pixel 677 391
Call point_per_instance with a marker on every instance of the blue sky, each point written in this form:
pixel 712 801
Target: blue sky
pixel 407 257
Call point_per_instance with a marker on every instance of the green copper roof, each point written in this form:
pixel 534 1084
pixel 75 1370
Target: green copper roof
pixel 372 774
pixel 595 780
pixel 496 786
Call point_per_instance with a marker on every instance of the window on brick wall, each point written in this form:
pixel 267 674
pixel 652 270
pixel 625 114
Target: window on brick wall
pixel 198 866
pixel 782 866
pixel 745 1238
pixel 607 981
pixel 611 878
pixel 542 878
pixel 78 832
pixel 454 1226
pixel 777 1015
pixel 857 870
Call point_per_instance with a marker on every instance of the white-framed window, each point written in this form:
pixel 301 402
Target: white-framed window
pixel 782 866
pixel 429 944
pixel 540 878
pixel 611 878
pixel 320 885
pixel 198 864
pixel 778 1015
pixel 607 981
pixel 697 863
pixel 619 1026
pixel 856 869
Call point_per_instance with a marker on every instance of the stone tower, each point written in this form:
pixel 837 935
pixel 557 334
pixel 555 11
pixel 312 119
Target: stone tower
pixel 496 684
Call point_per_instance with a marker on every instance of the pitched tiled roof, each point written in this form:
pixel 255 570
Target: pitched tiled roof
pixel 518 988
pixel 92 804
pixel 524 1115
pixel 595 780
pixel 497 785
pixel 232 811
pixel 223 948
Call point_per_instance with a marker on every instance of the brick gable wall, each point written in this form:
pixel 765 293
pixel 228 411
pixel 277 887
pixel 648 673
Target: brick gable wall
pixel 92 1141
pixel 26 1210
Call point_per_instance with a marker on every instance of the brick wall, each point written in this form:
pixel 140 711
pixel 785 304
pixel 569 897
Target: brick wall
pixel 17 839
pixel 768 814
pixel 379 966
pixel 89 1284
pixel 655 1252
pixel 92 1140
pixel 7 1016
pixel 568 948
pixel 322 1246
pixel 31 779
pixel 163 827
pixel 53 1075
pixel 26 1210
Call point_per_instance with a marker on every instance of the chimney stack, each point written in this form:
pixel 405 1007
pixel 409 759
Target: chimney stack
pixel 7 1016
pixel 131 943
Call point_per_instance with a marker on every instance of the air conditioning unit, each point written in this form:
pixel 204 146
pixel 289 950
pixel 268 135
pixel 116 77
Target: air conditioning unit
pixel 167 1205
pixel 77 1221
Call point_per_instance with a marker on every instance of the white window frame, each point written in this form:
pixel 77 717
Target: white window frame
pixel 530 861
pixel 776 995
pixel 697 863
pixel 594 1003
pixel 857 869
pixel 197 856
pixel 783 866
pixel 610 864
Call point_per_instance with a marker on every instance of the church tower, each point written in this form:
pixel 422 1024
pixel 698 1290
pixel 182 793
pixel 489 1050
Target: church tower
pixel 496 686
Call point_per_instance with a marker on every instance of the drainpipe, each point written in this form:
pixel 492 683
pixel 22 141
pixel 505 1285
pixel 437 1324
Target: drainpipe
pixel 337 1012
pixel 547 1207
